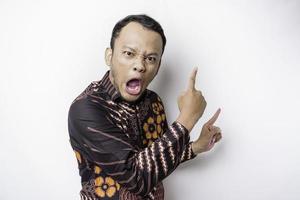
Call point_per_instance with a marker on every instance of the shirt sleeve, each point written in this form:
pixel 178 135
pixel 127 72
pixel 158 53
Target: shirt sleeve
pixel 105 144
pixel 187 153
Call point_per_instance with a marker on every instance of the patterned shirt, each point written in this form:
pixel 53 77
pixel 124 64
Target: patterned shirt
pixel 124 149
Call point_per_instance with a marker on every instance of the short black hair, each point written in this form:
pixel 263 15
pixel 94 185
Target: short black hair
pixel 142 19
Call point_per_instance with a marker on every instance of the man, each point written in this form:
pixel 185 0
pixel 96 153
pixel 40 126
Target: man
pixel 118 128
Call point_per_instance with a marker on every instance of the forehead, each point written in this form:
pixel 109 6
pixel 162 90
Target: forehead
pixel 140 38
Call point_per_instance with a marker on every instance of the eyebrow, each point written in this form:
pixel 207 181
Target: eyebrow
pixel 132 49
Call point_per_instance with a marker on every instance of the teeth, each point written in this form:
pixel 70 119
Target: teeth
pixel 136 87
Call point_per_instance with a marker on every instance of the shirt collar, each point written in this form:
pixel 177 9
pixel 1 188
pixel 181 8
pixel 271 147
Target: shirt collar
pixel 109 87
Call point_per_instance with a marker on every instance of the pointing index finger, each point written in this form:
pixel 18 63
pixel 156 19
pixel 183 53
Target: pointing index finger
pixel 193 79
pixel 214 118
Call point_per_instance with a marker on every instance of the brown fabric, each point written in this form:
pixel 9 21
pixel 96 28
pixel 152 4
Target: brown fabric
pixel 124 150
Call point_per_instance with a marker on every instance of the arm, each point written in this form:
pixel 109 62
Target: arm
pixel 188 152
pixel 102 142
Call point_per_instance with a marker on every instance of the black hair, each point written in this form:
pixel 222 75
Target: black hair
pixel 142 19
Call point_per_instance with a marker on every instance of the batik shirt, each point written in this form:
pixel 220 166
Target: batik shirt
pixel 124 150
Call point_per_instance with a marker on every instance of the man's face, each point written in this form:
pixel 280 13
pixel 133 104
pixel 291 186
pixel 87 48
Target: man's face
pixel 135 60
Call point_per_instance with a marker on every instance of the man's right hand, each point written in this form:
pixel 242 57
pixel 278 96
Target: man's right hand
pixel 191 104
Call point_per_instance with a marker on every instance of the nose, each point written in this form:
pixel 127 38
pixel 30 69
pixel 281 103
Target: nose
pixel 140 64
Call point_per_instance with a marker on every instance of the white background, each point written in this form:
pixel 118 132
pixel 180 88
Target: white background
pixel 248 58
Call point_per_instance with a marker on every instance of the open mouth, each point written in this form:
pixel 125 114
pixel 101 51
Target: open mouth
pixel 134 86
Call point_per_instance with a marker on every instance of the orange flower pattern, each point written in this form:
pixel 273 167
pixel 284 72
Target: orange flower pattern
pixel 105 185
pixel 153 127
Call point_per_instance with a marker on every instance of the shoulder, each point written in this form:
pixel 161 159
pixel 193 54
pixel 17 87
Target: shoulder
pixel 91 100
pixel 94 89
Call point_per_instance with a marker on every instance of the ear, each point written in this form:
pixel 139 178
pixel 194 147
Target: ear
pixel 108 56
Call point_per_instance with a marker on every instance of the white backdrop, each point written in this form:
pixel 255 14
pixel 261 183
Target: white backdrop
pixel 248 58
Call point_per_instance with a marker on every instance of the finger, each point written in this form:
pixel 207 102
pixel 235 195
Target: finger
pixel 192 80
pixel 215 130
pixel 214 118
pixel 209 127
pixel 218 137
pixel 212 142
pixel 214 138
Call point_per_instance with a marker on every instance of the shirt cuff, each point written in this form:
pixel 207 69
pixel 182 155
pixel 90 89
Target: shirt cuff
pixel 177 134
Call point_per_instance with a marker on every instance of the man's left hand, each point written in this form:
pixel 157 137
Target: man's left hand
pixel 210 134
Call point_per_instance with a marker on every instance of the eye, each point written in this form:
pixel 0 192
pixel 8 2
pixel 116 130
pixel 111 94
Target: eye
pixel 128 53
pixel 151 59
